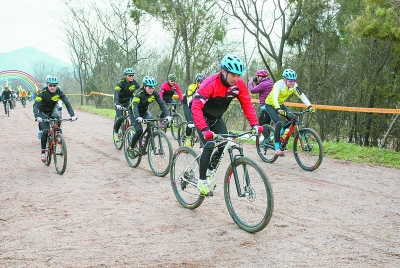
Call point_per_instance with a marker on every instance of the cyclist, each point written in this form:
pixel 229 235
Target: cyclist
pixel 187 98
pixel 274 104
pixel 262 85
pixel 140 106
pixel 123 93
pixel 23 96
pixel 210 102
pixel 168 89
pixel 6 96
pixel 45 106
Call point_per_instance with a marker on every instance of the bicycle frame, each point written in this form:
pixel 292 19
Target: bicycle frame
pixel 148 134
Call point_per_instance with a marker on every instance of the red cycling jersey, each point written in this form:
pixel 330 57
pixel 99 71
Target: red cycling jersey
pixel 167 91
pixel 212 99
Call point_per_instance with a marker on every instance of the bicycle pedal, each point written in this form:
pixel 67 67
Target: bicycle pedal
pixel 210 193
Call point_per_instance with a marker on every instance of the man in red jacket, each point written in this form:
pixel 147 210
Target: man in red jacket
pixel 210 102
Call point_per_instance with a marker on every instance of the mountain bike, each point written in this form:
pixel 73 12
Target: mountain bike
pixel 8 106
pixel 182 134
pixel 122 130
pixel 307 145
pixel 56 145
pixel 154 143
pixel 176 119
pixel 247 190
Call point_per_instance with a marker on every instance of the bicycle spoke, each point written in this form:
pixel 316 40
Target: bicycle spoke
pixel 60 154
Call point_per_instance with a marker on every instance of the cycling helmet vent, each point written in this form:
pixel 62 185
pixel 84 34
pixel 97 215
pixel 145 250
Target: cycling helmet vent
pixel 172 77
pixel 262 73
pixel 200 77
pixel 51 80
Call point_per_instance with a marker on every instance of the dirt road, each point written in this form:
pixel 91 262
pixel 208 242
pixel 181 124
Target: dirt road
pixel 103 213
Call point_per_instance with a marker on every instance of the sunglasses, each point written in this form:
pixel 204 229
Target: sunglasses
pixel 51 85
pixel 172 81
pixel 291 81
pixel 150 87
pixel 130 75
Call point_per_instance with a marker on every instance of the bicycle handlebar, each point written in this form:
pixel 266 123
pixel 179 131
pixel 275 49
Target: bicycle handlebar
pixel 56 120
pixel 232 135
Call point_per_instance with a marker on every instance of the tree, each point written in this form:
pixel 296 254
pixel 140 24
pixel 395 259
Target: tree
pixel 380 20
pixel 269 22
pixel 196 31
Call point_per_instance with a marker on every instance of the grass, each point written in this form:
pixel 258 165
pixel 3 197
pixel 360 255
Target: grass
pixel 337 150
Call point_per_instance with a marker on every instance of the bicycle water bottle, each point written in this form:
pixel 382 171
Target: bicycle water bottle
pixel 285 133
pixel 144 141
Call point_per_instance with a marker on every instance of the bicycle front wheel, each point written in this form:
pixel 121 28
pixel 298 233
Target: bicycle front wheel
pixel 266 148
pixel 184 169
pixel 159 153
pixel 182 133
pixel 119 142
pixel 132 157
pixel 49 149
pixel 308 150
pixel 176 121
pixel 60 153
pixel 8 109
pixel 248 195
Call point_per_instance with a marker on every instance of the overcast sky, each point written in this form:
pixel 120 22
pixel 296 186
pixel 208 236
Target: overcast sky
pixel 32 23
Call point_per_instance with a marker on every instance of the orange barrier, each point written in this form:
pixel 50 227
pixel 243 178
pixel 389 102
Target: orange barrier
pixel 298 105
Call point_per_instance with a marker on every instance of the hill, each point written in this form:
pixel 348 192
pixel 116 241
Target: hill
pixel 24 59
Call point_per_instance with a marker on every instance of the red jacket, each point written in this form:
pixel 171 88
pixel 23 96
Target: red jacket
pixel 167 91
pixel 212 99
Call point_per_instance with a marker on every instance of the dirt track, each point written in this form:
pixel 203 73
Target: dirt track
pixel 103 213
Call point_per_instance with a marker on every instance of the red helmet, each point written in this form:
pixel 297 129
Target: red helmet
pixel 262 73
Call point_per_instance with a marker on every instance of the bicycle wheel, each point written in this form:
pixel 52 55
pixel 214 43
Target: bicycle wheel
pixel 252 209
pixel 159 153
pixel 118 144
pixel 8 109
pixel 132 159
pixel 182 133
pixel 60 153
pixel 48 151
pixel 308 150
pixel 176 121
pixel 184 169
pixel 266 150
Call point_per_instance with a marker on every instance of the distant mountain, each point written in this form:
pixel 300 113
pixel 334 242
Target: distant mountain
pixel 24 59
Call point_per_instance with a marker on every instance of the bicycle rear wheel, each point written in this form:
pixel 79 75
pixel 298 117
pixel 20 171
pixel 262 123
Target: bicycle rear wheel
pixel 133 158
pixel 119 143
pixel 184 169
pixel 252 210
pixel 182 133
pixel 159 153
pixel 308 150
pixel 176 121
pixel 266 150
pixel 60 153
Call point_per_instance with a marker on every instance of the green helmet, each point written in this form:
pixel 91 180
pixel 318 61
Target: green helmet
pixel 129 71
pixel 172 77
pixel 149 81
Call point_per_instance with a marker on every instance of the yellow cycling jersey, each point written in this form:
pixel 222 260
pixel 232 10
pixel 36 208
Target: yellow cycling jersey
pixel 280 92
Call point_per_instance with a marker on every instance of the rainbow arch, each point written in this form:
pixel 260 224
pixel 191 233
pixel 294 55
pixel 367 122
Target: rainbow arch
pixel 19 76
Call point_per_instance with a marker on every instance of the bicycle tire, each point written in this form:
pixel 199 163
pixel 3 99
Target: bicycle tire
pixel 133 162
pixel 182 133
pixel 184 169
pixel 48 152
pixel 8 109
pixel 267 153
pixel 159 153
pixel 308 149
pixel 60 153
pixel 118 144
pixel 176 120
pixel 253 211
